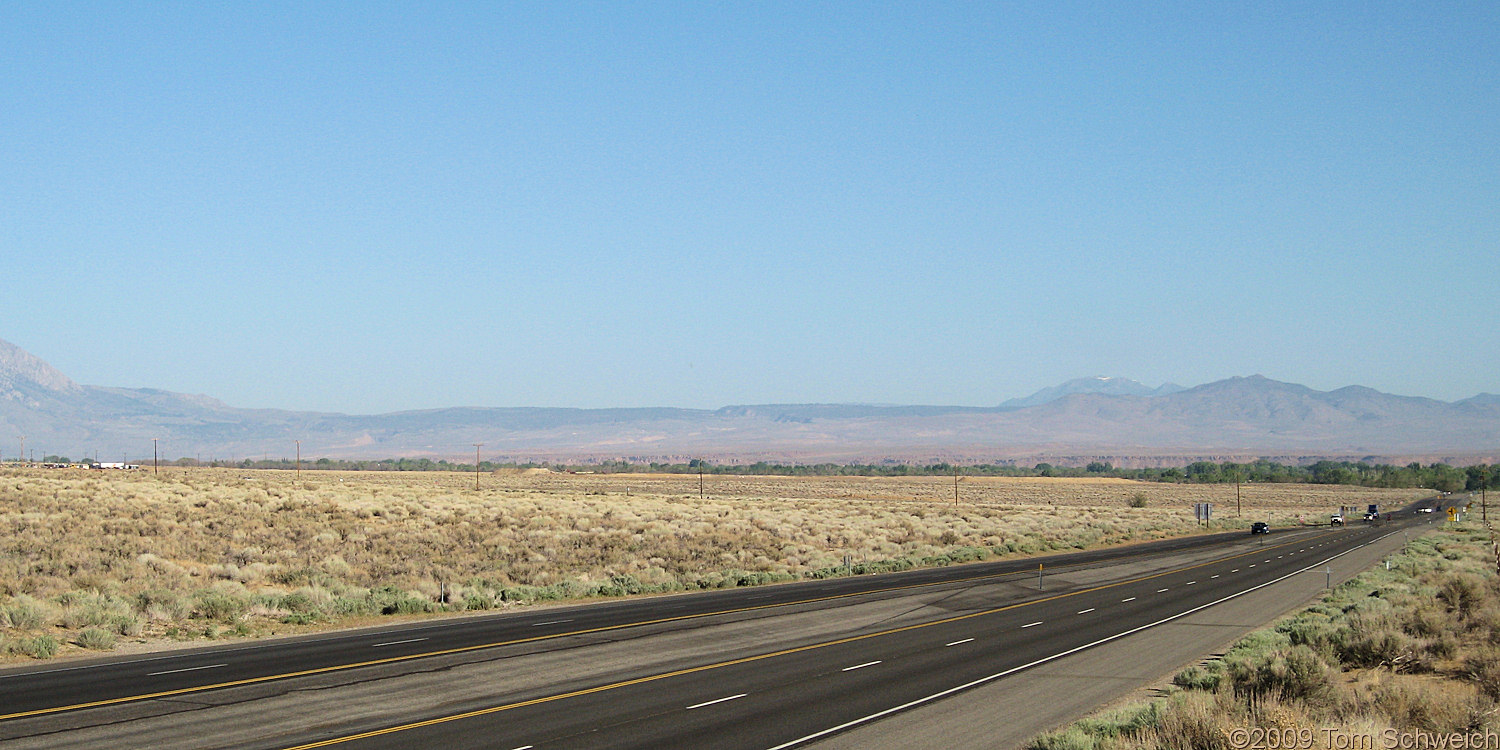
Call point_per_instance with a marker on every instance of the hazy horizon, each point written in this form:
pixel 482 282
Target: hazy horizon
pixel 1016 397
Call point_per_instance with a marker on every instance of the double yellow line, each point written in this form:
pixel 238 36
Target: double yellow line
pixel 602 629
pixel 478 647
pixel 783 652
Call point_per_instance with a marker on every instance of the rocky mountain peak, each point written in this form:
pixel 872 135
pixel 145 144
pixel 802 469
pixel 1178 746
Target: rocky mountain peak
pixel 19 368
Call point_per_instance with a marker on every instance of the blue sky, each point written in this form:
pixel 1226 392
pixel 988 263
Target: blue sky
pixel 370 207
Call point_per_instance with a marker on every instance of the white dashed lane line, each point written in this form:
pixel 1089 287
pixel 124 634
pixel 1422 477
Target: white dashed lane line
pixel 1131 599
pixel 189 669
pixel 1032 625
pixel 860 666
pixel 955 643
pixel 720 700
pixel 1086 611
pixel 393 643
pixel 1161 590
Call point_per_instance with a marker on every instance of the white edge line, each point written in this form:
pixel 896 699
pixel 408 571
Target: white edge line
pixel 721 700
pixel 348 635
pixel 188 669
pixel 549 622
pixel 955 643
pixel 209 650
pixel 1056 656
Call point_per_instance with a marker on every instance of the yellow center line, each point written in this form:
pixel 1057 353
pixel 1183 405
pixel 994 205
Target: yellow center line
pixel 513 642
pixel 753 658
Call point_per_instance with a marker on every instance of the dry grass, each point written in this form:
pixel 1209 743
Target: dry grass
pixel 93 559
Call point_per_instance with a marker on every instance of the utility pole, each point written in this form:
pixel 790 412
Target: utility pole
pixel 477 446
pixel 22 457
pixel 299 460
pixel 955 489
pixel 153 457
pixel 1484 508
pixel 1237 493
pixel 700 482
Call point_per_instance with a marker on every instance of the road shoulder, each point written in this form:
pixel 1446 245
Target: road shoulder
pixel 1006 713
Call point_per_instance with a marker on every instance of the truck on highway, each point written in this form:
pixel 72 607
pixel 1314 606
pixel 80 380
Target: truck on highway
pixel 1372 513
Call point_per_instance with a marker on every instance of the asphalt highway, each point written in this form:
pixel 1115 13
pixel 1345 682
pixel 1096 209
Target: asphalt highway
pixel 779 699
pixel 33 691
pixel 969 625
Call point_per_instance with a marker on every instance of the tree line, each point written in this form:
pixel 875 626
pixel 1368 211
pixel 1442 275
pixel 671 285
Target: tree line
pixel 1436 476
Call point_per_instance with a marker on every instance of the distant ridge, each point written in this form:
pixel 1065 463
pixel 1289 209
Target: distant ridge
pixel 1098 384
pixel 1116 418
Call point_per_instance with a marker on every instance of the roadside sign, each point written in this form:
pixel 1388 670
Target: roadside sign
pixel 1452 513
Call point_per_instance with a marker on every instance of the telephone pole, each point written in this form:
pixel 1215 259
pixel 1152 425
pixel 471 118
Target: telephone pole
pixel 299 460
pixel 1484 507
pixel 22 458
pixel 955 488
pixel 477 446
pixel 153 457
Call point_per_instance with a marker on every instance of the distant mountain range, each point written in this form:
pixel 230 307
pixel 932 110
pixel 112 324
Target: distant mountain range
pixel 1085 419
pixel 1100 384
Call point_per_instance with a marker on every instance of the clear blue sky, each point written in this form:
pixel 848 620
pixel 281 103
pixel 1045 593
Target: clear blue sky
pixel 369 207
